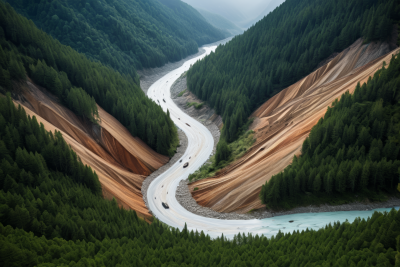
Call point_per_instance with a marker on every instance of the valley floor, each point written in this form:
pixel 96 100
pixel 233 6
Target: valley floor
pixel 283 123
pixel 185 198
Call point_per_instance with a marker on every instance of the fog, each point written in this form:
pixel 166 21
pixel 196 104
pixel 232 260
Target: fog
pixel 241 12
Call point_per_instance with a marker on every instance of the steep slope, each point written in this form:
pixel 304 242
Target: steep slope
pixel 282 48
pixel 282 124
pixel 79 82
pixel 221 23
pixel 49 217
pixel 120 160
pixel 124 34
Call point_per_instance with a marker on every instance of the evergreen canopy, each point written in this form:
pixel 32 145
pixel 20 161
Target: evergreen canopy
pixel 123 34
pixel 281 49
pixel 68 74
pixel 52 214
pixel 354 148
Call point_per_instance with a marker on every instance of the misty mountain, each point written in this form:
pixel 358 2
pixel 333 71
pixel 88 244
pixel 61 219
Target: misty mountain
pixel 270 7
pixel 222 8
pixel 221 23
pixel 123 34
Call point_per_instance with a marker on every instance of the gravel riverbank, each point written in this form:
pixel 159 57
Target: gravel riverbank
pixel 207 117
pixel 185 198
pixel 150 76
pixel 183 143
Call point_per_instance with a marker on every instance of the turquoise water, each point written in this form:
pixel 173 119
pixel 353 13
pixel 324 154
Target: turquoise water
pixel 302 221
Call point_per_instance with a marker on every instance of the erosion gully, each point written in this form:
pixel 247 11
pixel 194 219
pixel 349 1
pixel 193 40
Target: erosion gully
pixel 200 146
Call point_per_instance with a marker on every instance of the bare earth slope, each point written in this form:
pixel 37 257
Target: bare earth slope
pixel 282 124
pixel 120 160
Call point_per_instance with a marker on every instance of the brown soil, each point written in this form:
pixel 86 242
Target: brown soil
pixel 120 160
pixel 282 124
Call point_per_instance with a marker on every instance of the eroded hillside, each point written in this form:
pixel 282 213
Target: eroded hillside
pixel 120 160
pixel 282 124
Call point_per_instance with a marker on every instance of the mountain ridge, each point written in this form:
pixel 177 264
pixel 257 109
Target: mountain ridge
pixel 237 187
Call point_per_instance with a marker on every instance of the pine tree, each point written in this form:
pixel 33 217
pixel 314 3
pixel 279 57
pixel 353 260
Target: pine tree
pixel 317 183
pixel 340 182
pixel 371 29
pixel 4 82
pixel 58 89
pixel 17 70
pixel 365 175
pixel 222 153
pixel 150 136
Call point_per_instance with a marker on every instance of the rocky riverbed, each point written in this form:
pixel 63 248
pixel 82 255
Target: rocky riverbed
pixel 184 197
pixel 150 76
pixel 207 117
pixel 183 143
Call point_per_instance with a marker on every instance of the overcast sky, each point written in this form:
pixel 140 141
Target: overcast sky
pixel 250 8
pixel 235 10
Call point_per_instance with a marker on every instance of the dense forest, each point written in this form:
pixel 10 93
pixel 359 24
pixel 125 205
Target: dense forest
pixel 52 214
pixel 123 34
pixel 282 48
pixel 354 148
pixel 80 82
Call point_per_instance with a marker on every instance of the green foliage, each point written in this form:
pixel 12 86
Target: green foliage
pixel 398 36
pixel 225 154
pixel 280 49
pixel 63 71
pixel 354 148
pixel 124 34
pixel 51 215
pixel 27 150
pixel 371 242
pixel 195 104
pixel 82 104
pixel 181 93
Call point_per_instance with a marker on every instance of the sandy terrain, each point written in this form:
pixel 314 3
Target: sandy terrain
pixel 282 124
pixel 120 160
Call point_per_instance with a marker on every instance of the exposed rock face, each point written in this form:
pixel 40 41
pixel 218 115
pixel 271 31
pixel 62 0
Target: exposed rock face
pixel 120 160
pixel 282 124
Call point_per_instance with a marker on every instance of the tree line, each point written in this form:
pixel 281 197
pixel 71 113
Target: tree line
pixel 354 148
pixel 123 34
pixel 27 145
pixel 52 214
pixel 282 48
pixel 79 82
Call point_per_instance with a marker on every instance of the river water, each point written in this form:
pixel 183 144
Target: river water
pixel 302 221
pixel 200 144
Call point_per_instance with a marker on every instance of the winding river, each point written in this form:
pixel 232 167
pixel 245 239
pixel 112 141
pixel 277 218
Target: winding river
pixel 200 146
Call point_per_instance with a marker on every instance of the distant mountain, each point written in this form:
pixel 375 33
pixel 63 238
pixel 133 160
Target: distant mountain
pixel 221 23
pixel 79 82
pixel 222 8
pixel 271 6
pixel 279 50
pixel 124 34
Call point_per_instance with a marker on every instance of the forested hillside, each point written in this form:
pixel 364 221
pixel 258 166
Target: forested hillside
pixel 123 34
pixel 353 149
pixel 51 214
pixel 79 82
pixel 282 48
